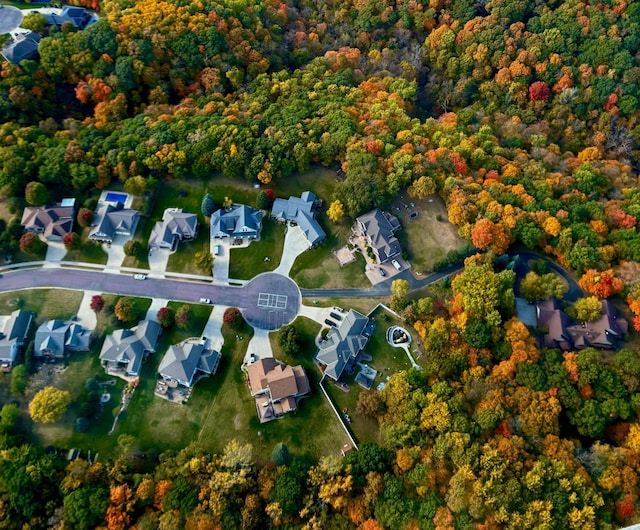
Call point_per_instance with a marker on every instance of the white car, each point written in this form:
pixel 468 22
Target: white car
pixel 140 276
pixel 205 300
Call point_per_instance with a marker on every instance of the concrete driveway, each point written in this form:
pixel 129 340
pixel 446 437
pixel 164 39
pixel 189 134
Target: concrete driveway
pixel 55 252
pixel 213 328
pixel 221 261
pixel 319 314
pixel 156 304
pixel 260 346
pixel 158 259
pixel 295 243
pixel 86 317
pixel 115 252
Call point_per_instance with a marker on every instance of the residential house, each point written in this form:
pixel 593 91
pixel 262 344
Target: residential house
pixel 124 349
pixel 302 212
pixel 378 229
pixel 239 221
pixel 185 361
pixel 76 16
pixel 21 47
pixel 55 338
pixel 342 345
pixel 13 337
pixel 276 387
pixel 113 220
pixel 554 322
pixel 53 222
pixel 605 332
pixel 175 226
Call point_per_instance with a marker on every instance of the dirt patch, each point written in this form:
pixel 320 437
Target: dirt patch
pixel 238 422
pixel 345 255
pixel 45 375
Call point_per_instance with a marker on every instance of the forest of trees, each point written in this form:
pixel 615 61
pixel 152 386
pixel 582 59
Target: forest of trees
pixel 522 115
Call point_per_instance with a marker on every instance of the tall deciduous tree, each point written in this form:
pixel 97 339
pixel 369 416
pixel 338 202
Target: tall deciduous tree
pixel 36 193
pixel 49 405
pixel 126 310
pixel 336 211
pixel 97 303
pixel 534 287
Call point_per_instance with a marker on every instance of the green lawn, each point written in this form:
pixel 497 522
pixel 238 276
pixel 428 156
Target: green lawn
pixel 320 268
pixel 182 259
pixel 425 240
pixel 386 360
pixel 363 305
pixel 143 230
pixel 46 303
pixel 89 251
pixel 245 263
pixel 106 320
pixel 318 179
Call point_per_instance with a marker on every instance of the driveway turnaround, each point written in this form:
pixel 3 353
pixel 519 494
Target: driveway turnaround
pixel 295 243
pixel 268 301
pixel 10 19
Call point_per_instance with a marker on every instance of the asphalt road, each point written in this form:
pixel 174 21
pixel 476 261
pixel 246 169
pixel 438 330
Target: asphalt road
pixel 244 297
pixel 265 315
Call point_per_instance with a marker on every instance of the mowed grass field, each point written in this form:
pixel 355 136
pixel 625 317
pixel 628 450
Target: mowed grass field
pixel 425 239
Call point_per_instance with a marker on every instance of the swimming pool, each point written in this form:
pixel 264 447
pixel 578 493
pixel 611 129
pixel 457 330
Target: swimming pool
pixel 116 197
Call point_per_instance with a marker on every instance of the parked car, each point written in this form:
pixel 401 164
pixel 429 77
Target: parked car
pixel 396 264
pixel 139 276
pixel 216 250
pixel 382 271
pixel 335 316
pixel 330 323
pixel 205 300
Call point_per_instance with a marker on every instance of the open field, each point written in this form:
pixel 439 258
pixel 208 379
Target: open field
pixel 247 262
pixel 425 240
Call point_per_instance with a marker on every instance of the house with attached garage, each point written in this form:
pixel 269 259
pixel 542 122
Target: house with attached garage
pixel 606 332
pixel 13 337
pixel 21 47
pixel 124 350
pixel 343 344
pixel 301 212
pixel 53 222
pixel 114 220
pixel 55 338
pixel 276 387
pixel 378 229
pixel 239 221
pixel 185 363
pixel 176 226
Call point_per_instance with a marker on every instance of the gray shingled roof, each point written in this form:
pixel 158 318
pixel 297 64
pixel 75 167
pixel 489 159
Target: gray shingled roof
pixel 175 225
pixel 115 219
pixel 14 332
pixel 23 46
pixel 129 345
pixel 300 210
pixel 181 361
pixel 343 342
pixel 379 228
pixel 238 221
pixel 56 336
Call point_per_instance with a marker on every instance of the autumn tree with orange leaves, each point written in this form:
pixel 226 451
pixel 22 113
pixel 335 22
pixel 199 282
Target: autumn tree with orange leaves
pixel 601 284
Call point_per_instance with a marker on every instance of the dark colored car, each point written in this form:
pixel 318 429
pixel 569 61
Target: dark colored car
pixel 335 316
pixel 330 323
